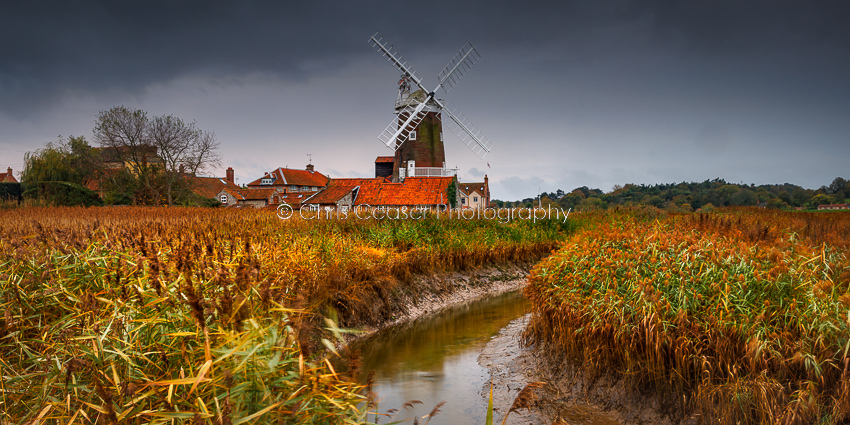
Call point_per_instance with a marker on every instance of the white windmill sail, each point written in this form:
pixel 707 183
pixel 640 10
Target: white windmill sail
pixel 395 134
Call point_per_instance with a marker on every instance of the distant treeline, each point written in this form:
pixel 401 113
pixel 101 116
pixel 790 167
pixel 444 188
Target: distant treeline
pixel 683 197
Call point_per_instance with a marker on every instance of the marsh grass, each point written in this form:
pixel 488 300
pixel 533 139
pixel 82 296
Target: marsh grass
pixel 743 316
pixel 146 315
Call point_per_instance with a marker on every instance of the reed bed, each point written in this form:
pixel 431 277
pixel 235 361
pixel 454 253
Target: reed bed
pixel 150 315
pixel 739 317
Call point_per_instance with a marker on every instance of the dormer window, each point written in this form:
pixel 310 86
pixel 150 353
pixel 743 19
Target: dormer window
pixel 223 199
pixel 266 180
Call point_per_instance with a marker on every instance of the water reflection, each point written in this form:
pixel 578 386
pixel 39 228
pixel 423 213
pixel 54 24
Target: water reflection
pixel 434 358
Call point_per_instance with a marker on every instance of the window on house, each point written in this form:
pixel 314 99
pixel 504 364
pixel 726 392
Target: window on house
pixel 474 199
pixel 463 201
pixel 266 181
pixel 412 135
pixel 293 188
pixel 223 199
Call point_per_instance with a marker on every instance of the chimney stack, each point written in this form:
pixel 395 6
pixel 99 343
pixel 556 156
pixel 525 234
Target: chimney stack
pixel 230 175
pixel 310 167
pixel 9 171
pixel 486 191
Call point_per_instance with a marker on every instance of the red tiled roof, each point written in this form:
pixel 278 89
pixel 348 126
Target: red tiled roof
pixel 384 159
pixel 7 178
pixel 414 191
pixel 210 187
pixel 288 176
pixel 376 192
pixel 338 188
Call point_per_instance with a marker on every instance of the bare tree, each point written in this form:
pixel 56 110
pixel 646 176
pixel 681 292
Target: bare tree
pixel 184 150
pixel 161 152
pixel 124 132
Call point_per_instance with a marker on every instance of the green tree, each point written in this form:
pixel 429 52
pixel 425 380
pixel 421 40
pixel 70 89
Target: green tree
pixel 654 200
pixel 821 199
pixel 744 197
pixel 59 172
pixel 776 203
pixel 840 188
pixel 70 160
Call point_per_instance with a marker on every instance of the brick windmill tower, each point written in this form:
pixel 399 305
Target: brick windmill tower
pixel 416 134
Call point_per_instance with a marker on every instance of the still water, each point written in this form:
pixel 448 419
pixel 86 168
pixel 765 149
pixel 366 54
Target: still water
pixel 434 359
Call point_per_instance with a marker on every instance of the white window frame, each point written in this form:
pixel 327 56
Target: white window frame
pixel 223 199
pixel 412 135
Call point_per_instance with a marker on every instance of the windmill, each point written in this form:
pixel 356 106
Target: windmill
pixel 416 135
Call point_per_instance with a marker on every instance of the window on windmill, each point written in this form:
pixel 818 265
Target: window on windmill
pixel 441 139
pixel 412 135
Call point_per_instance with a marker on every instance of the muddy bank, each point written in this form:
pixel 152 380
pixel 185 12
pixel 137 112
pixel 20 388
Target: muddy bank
pixel 426 294
pixel 513 366
pixel 569 385
pixel 568 396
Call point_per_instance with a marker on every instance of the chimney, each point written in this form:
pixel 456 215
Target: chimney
pixel 230 175
pixel 9 171
pixel 310 167
pixel 486 191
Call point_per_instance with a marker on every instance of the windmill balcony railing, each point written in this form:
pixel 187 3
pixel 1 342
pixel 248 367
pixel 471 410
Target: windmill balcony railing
pixel 427 172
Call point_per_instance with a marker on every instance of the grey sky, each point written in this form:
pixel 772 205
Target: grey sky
pixel 571 93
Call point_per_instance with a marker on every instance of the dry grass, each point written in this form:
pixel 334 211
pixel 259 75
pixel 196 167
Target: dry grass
pixel 745 313
pixel 146 315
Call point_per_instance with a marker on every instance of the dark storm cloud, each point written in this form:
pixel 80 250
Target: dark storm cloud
pixel 55 49
pixel 50 47
pixel 740 26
